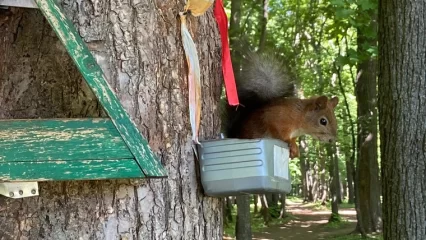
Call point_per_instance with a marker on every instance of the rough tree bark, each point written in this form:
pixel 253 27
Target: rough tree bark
pixel 367 172
pixel 234 34
pixel 255 201
pixel 304 168
pixel 138 45
pixel 283 212
pixel 322 172
pixel 402 117
pixel 243 223
pixel 334 183
pixel 350 178
pixel 228 210
pixel 263 20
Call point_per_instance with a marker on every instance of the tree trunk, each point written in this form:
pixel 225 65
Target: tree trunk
pixel 272 199
pixel 263 22
pixel 344 189
pixel 255 201
pixel 350 180
pixel 139 48
pixel 334 183
pixel 234 35
pixel 265 209
pixel 367 173
pixel 313 181
pixel 402 116
pixel 243 227
pixel 303 168
pixel 229 209
pixel 283 212
pixel 322 172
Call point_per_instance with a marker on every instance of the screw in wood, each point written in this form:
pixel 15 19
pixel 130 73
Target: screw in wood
pixel 33 191
pixel 11 194
pixel 21 192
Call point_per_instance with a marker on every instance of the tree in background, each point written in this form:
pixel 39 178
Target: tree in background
pixel 402 117
pixel 367 174
pixel 139 48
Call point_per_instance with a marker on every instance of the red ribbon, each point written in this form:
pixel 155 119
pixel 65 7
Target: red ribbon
pixel 228 72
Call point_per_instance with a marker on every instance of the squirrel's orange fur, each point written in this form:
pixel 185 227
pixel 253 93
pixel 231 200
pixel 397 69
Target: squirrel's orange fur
pixel 272 110
pixel 288 118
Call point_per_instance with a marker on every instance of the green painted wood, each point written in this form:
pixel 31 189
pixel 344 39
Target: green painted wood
pixel 60 139
pixel 95 78
pixel 69 170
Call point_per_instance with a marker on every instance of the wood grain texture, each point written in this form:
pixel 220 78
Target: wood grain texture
pixel 95 78
pixel 60 139
pixel 64 149
pixel 69 170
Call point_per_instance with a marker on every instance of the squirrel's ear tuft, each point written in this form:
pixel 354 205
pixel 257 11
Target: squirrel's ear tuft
pixel 333 102
pixel 321 103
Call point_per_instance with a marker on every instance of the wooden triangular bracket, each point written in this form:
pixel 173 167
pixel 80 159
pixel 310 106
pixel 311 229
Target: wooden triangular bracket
pixel 125 128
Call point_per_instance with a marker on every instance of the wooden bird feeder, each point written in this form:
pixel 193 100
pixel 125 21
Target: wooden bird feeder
pixel 72 149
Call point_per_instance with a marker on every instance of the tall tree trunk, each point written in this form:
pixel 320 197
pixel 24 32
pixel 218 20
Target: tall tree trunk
pixel 303 168
pixel 265 209
pixel 283 212
pixel 229 209
pixel 351 168
pixel 263 22
pixel 322 172
pixel 335 183
pixel 314 181
pixel 349 175
pixel 235 21
pixel 139 48
pixel 402 117
pixel 243 224
pixel 234 34
pixel 344 189
pixel 367 173
pixel 255 201
pixel 272 199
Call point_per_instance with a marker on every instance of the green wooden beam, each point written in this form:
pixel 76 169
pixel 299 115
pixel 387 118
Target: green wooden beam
pixel 60 139
pixel 96 80
pixel 69 170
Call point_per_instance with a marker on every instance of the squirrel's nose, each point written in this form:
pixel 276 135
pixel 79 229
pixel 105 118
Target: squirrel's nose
pixel 330 140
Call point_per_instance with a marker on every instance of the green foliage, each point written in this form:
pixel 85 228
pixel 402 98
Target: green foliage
pixel 318 41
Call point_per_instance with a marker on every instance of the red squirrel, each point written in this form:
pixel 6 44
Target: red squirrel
pixel 270 108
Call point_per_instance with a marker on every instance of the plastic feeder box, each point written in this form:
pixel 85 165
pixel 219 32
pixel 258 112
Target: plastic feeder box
pixel 231 167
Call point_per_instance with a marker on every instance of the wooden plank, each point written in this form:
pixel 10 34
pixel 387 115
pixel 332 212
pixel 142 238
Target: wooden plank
pixel 69 170
pixel 95 78
pixel 60 139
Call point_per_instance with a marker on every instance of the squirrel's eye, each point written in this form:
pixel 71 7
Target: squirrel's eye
pixel 323 121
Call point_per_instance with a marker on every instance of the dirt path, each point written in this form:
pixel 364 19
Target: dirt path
pixel 308 225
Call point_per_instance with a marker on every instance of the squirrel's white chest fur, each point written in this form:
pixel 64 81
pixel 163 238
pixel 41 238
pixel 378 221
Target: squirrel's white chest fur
pixel 296 133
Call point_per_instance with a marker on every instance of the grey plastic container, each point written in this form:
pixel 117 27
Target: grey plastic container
pixel 231 167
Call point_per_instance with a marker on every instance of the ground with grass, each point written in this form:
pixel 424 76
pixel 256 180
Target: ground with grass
pixel 305 222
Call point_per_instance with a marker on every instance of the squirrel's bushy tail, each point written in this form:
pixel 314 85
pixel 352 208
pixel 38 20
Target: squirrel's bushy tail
pixel 262 78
